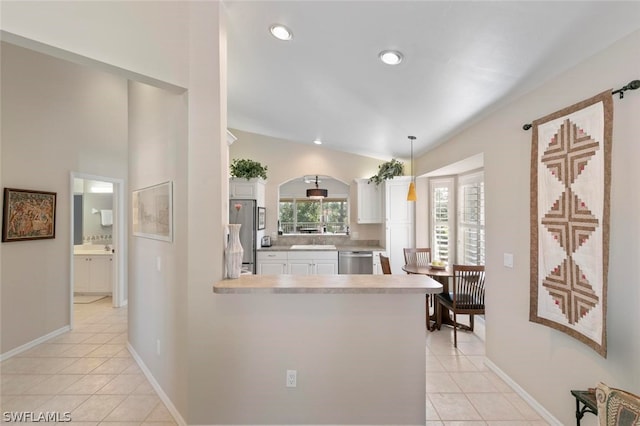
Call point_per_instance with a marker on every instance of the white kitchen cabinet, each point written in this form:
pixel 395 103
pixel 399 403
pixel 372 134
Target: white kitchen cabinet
pixel 369 201
pixel 252 189
pixel 92 273
pixel 272 262
pixel 304 262
pixel 399 218
pixel 312 262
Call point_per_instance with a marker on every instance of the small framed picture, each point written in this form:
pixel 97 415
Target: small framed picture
pixel 28 215
pixel 261 217
pixel 153 212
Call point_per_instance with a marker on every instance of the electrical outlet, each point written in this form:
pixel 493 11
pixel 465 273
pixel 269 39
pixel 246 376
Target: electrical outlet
pixel 292 379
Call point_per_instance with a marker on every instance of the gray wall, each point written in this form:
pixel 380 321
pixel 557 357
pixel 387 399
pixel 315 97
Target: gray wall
pixel 57 117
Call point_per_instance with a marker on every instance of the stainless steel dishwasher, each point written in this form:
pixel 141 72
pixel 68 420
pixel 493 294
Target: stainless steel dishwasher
pixel 355 262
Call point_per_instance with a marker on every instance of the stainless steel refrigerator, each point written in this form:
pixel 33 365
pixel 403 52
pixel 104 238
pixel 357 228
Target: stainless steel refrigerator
pixel 244 212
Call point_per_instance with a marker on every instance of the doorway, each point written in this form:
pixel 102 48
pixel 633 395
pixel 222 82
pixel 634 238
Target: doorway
pixel 97 249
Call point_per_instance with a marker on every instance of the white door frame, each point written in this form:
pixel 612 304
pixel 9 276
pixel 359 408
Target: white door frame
pixel 119 296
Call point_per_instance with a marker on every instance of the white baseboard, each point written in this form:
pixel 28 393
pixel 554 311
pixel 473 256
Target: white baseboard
pixel 31 344
pixel 546 415
pixel 156 386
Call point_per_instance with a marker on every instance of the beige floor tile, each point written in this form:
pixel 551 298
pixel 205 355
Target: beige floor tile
pixel 433 364
pixel 454 406
pixel 17 384
pixel 465 423
pixel 53 385
pixel 119 423
pixel 160 414
pixel 498 382
pixel 478 362
pixel 96 407
pixel 134 408
pixel 494 406
pixel 144 389
pixel 47 350
pixel 524 408
pixel 84 365
pixel 433 423
pixel 123 353
pixel 119 338
pixel 63 403
pixel 52 365
pixel 92 328
pixel 107 350
pixel 81 349
pixel 430 411
pixel 72 337
pixel 113 366
pixel 473 382
pixel 456 363
pixel 158 424
pixel 509 423
pixel 440 382
pixel 132 369
pixel 19 365
pixel 25 403
pixel 88 385
pixel 123 384
pixel 100 338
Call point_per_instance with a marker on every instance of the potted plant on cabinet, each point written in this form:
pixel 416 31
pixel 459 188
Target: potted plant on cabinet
pixel 247 169
pixel 388 170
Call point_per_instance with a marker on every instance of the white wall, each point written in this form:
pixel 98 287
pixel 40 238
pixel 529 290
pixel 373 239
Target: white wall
pixel 157 300
pixel 547 364
pixel 57 117
pixel 288 160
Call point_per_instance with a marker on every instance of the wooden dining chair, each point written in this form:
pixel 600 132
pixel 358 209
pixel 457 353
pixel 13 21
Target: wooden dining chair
pixel 384 263
pixel 466 297
pixel 417 256
pixel 420 257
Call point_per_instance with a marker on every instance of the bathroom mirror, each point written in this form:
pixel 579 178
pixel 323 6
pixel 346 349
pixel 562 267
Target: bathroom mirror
pixel 299 214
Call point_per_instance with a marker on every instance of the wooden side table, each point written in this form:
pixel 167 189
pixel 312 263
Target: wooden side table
pixel 588 400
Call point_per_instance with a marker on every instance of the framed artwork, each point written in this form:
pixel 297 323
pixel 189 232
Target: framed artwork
pixel 153 212
pixel 28 215
pixel 261 217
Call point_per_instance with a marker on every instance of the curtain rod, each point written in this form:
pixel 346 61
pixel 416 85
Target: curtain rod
pixel 635 84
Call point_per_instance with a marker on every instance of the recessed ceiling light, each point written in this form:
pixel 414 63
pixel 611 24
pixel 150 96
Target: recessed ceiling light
pixel 317 142
pixel 281 32
pixel 390 57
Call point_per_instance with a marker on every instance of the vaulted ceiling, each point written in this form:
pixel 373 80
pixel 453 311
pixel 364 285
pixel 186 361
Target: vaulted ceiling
pixel 462 60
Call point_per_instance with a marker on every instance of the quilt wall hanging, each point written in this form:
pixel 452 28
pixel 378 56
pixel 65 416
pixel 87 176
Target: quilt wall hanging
pixel 570 188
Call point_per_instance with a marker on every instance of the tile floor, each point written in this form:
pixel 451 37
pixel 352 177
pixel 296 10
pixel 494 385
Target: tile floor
pixel 90 373
pixel 462 391
pixel 87 372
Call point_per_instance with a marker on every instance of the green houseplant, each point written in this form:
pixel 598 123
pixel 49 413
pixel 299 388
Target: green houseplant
pixel 248 169
pixel 388 170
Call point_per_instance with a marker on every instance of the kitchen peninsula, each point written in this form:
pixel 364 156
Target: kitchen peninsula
pixel 356 342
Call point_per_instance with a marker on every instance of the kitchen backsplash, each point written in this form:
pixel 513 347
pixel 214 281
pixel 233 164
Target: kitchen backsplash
pixel 337 240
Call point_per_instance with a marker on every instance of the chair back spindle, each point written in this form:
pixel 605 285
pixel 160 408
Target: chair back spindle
pixel 417 256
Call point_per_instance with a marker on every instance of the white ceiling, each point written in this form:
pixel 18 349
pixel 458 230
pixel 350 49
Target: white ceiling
pixel 461 61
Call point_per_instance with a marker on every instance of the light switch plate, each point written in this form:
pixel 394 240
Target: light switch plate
pixel 508 260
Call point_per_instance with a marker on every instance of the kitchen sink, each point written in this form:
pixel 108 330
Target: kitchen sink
pixel 313 247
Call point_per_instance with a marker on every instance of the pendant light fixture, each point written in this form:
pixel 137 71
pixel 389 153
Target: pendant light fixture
pixel 411 195
pixel 317 193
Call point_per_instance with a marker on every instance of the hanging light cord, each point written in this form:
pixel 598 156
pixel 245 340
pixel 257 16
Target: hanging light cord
pixel 413 174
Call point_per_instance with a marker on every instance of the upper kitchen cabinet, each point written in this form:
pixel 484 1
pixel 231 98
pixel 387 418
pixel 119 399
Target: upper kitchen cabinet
pixel 370 197
pixel 252 189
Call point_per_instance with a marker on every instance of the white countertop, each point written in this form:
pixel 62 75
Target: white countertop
pixel 329 284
